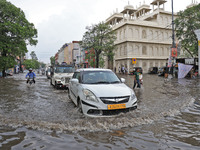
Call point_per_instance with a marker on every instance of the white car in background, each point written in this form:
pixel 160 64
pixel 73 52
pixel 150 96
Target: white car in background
pixel 99 92
pixel 61 76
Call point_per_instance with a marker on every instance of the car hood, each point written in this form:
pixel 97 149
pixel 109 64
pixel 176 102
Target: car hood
pixel 109 90
pixel 63 74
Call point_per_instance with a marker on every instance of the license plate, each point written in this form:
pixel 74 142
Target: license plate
pixel 116 106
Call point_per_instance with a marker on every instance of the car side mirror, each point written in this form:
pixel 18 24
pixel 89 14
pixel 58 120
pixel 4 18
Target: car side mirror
pixel 74 80
pixel 123 80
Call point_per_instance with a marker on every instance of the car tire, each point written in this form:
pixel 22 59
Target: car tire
pixel 68 94
pixel 79 106
pixel 56 86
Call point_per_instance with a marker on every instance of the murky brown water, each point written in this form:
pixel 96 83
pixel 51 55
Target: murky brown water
pixel 41 117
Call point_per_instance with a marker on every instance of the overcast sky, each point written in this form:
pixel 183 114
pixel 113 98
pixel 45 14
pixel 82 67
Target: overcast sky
pixel 63 21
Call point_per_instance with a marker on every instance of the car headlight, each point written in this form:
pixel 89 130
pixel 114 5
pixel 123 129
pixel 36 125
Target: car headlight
pixel 89 95
pixel 132 96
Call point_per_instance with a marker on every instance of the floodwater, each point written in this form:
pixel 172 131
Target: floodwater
pixel 43 118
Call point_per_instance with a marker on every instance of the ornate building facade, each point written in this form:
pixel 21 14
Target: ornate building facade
pixel 144 34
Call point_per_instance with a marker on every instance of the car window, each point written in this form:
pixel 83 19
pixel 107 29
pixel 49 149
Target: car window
pixel 100 77
pixel 64 70
pixel 76 75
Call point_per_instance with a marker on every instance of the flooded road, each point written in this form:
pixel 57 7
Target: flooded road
pixel 41 117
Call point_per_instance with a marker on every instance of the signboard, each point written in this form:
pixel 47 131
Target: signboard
pixel 199 42
pixel 134 60
pixel 189 61
pixel 174 52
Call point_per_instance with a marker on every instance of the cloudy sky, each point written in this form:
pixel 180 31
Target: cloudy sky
pixel 63 21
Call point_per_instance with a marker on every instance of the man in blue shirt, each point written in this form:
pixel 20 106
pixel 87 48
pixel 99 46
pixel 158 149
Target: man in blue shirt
pixel 31 75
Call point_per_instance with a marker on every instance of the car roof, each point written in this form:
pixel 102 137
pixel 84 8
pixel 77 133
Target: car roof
pixel 92 69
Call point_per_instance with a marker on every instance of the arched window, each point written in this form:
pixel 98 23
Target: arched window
pixel 144 50
pixel 131 48
pixel 130 33
pixel 144 66
pixel 151 51
pixel 125 50
pixel 124 33
pixel 137 50
pixel 162 50
pixel 156 36
pixel 137 33
pixel 151 34
pixel 157 51
pixel 144 35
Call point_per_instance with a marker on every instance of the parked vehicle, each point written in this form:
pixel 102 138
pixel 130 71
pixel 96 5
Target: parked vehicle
pixel 153 70
pixel 48 72
pixel 99 92
pixel 133 70
pixel 162 71
pixel 9 72
pixel 60 76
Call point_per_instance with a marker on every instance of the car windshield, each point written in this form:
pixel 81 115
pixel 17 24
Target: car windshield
pixel 100 77
pixel 64 70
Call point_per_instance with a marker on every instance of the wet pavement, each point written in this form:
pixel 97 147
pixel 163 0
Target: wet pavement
pixel 41 117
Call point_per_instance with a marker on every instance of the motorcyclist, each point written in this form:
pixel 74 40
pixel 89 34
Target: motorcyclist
pixel 31 75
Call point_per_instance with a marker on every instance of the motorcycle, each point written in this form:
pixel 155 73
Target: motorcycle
pixel 30 81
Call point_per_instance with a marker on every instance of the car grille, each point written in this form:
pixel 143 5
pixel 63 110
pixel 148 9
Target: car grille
pixel 67 80
pixel 115 100
pixel 109 112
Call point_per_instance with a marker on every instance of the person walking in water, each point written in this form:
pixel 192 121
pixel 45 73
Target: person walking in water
pixel 137 79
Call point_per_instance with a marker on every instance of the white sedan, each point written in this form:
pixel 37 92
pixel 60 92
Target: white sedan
pixel 99 92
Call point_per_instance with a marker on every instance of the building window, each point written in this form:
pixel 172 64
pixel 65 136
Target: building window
pixel 151 35
pixel 137 50
pixel 156 36
pixel 130 33
pixel 125 50
pixel 144 35
pixel 137 33
pixel 144 50
pixel 151 51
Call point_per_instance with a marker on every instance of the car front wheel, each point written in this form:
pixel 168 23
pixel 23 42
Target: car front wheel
pixel 68 93
pixel 80 106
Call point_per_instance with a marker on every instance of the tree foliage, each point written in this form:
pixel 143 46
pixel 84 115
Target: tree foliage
pixel 52 60
pixel 31 63
pixel 101 38
pixel 33 55
pixel 15 34
pixel 186 23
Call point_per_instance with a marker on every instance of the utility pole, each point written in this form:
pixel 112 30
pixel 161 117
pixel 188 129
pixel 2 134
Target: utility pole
pixel 173 39
pixel 173 49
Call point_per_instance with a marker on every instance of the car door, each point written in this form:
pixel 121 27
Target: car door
pixel 74 85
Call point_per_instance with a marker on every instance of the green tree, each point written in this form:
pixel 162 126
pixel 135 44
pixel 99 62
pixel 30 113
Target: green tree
pixel 33 55
pixel 185 25
pixel 31 63
pixel 15 34
pixel 101 38
pixel 42 64
pixel 52 60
